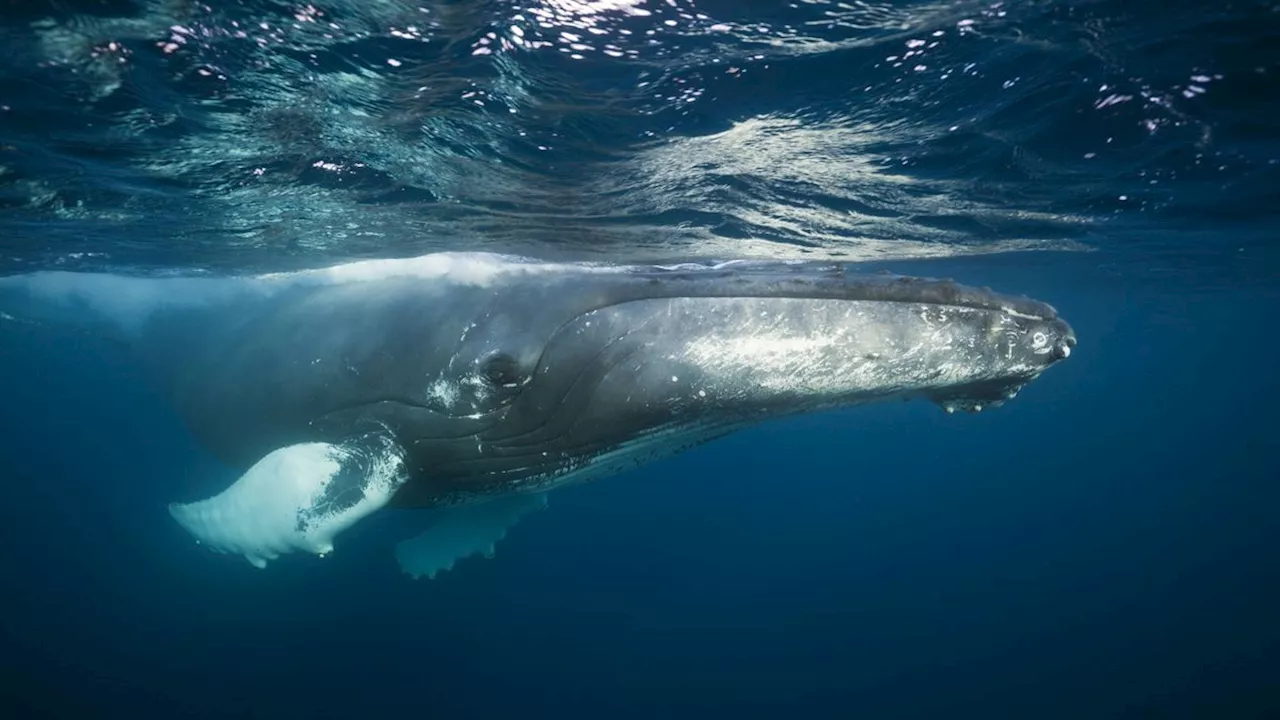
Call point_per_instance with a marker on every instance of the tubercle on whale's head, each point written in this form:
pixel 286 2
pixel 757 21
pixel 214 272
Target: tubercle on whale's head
pixel 1040 343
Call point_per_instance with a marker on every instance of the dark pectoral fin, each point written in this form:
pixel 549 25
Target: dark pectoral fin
pixel 464 531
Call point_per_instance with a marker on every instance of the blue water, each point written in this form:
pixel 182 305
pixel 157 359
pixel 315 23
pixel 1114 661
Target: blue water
pixel 1101 547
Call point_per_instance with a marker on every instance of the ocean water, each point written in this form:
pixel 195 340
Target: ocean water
pixel 1103 546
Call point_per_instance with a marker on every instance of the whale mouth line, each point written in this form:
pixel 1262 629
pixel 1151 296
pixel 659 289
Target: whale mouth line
pixel 470 424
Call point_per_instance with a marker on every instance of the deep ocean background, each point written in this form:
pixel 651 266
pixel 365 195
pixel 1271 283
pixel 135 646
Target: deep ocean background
pixel 1104 546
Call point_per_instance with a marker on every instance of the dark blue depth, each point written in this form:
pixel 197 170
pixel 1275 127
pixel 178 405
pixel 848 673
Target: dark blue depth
pixel 1101 547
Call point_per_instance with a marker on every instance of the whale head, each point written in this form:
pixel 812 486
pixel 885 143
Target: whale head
pixel 589 370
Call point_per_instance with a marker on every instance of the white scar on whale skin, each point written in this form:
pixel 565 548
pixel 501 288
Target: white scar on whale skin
pixel 282 504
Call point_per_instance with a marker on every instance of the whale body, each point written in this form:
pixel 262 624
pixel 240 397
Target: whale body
pixel 472 384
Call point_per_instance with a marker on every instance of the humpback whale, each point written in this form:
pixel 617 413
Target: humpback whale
pixel 472 384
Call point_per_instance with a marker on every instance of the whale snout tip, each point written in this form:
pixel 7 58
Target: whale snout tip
pixel 1066 341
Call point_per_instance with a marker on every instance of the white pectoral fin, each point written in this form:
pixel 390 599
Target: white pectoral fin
pixel 464 531
pixel 296 499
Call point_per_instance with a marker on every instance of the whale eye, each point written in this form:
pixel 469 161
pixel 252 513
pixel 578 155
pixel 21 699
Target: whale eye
pixel 501 370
